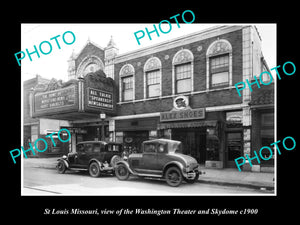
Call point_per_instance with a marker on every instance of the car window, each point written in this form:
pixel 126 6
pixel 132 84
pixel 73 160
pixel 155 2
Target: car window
pixel 178 148
pixel 80 148
pixel 161 148
pixel 88 147
pixel 149 148
pixel 113 148
pixel 96 148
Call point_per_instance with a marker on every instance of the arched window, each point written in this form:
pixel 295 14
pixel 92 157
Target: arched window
pixel 89 64
pixel 183 72
pixel 127 83
pixel 152 78
pixel 219 64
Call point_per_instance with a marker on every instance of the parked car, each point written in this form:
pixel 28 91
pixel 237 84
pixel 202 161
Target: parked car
pixel 161 158
pixel 95 156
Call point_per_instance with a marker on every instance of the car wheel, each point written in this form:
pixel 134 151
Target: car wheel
pixel 193 180
pixel 61 167
pixel 114 160
pixel 122 172
pixel 94 169
pixel 173 176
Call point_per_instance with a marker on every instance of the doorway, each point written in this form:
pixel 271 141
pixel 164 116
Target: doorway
pixel 193 142
pixel 234 147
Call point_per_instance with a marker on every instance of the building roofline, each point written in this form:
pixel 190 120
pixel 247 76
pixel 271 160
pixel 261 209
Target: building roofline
pixel 179 41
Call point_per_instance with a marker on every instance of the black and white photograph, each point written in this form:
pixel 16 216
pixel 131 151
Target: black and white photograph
pixel 174 108
pixel 119 113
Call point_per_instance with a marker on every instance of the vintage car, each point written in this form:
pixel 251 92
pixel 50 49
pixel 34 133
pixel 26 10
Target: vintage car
pixel 95 156
pixel 161 158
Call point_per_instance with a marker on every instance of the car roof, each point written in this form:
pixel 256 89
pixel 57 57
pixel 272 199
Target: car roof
pixel 163 141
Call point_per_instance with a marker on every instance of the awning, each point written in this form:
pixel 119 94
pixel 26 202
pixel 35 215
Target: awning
pixel 190 124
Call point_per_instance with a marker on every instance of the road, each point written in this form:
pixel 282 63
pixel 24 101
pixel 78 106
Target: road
pixel 42 181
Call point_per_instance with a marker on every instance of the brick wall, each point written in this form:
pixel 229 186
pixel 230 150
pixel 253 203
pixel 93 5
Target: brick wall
pixel 212 98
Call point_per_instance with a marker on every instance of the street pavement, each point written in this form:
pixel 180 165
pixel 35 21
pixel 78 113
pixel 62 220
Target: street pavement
pixel 42 179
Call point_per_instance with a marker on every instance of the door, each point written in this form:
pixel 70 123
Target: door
pixel 85 155
pixel 149 157
pixel 234 147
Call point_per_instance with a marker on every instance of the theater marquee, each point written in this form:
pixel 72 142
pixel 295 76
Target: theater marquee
pixel 75 99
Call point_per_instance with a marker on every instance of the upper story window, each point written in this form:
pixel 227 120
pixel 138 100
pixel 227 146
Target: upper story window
pixel 183 77
pixel 219 64
pixel 219 70
pixel 127 82
pixel 152 78
pixel 183 72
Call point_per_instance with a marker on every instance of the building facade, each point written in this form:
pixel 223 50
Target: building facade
pixel 182 89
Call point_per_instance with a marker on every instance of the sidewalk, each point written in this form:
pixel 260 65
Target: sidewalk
pixel 226 176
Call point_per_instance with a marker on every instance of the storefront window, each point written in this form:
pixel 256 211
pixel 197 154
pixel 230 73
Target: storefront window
pixel 212 147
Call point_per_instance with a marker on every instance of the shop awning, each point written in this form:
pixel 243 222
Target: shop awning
pixel 190 124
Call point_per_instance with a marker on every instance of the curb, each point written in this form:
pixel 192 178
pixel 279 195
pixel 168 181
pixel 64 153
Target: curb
pixel 248 185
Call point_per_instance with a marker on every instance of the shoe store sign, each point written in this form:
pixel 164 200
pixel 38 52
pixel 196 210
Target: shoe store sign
pixel 182 111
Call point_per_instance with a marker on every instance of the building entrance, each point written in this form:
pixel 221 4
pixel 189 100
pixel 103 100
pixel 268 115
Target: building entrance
pixel 193 142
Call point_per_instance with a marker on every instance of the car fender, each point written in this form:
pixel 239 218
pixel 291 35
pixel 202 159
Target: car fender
pixel 97 161
pixel 65 162
pixel 173 163
pixel 125 163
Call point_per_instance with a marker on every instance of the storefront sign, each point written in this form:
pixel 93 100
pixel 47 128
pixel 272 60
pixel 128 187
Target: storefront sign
pixel 55 99
pixel 191 114
pixel 100 99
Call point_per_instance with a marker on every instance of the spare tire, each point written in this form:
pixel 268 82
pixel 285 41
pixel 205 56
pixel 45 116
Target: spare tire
pixel 114 160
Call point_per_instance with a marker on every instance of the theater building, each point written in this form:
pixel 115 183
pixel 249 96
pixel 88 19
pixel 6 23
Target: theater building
pixel 181 89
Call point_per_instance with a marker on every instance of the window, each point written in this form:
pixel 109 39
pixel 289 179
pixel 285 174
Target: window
pixel 219 69
pixel 153 83
pixel 88 147
pixel 182 75
pixel 127 88
pixel 127 83
pixel 183 78
pixel 152 78
pixel 96 148
pixel 149 148
pixel 219 64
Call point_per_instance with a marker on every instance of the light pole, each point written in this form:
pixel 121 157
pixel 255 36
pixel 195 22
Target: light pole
pixel 102 117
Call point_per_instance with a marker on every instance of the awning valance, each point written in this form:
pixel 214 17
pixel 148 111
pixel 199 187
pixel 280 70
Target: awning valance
pixel 190 124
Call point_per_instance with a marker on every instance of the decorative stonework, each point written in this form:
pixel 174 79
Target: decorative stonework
pixel 199 48
pixel 167 57
pixel 183 56
pixel 127 70
pixel 219 47
pixel 152 64
pixel 89 64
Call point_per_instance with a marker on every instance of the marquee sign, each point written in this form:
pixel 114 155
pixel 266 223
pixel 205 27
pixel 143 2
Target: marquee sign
pixel 74 99
pixel 100 99
pixel 64 97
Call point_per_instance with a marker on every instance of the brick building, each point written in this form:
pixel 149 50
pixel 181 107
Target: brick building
pixel 182 89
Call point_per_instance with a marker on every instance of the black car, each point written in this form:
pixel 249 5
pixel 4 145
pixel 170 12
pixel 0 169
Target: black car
pixel 95 156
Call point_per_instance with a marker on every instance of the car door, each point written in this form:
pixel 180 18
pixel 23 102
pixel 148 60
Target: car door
pixel 84 156
pixel 149 164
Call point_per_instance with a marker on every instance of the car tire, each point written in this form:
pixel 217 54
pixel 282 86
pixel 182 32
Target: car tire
pixel 173 176
pixel 122 172
pixel 94 169
pixel 114 160
pixel 61 167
